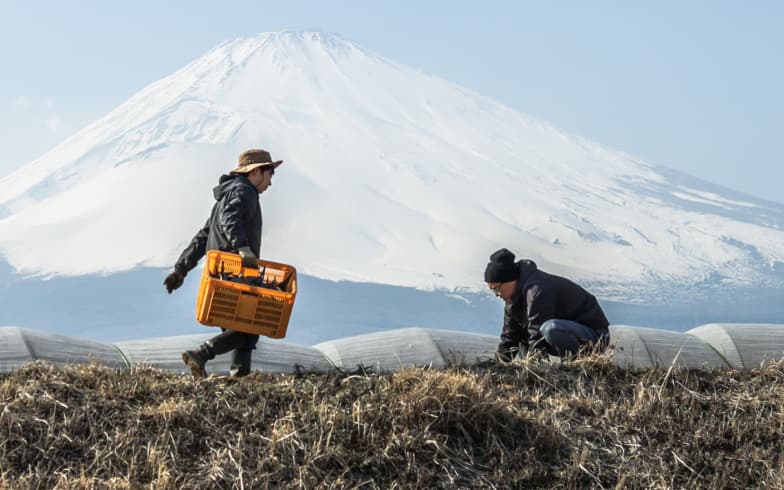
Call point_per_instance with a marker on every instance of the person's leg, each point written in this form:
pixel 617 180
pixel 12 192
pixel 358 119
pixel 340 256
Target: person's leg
pixel 228 340
pixel 241 356
pixel 220 344
pixel 566 336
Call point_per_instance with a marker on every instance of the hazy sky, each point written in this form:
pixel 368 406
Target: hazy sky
pixel 696 86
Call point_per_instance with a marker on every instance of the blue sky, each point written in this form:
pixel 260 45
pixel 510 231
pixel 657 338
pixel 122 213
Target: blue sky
pixel 695 86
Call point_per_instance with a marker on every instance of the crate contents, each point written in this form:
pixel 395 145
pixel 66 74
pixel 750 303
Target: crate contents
pixel 246 299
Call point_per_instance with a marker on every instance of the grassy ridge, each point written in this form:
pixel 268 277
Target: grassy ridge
pixel 533 423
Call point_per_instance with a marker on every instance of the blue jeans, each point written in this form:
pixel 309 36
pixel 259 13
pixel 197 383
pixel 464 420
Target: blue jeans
pixel 566 337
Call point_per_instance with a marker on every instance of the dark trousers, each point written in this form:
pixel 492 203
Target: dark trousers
pixel 566 337
pixel 241 346
pixel 248 340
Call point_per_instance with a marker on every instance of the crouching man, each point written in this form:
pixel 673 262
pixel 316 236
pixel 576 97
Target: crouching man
pixel 543 311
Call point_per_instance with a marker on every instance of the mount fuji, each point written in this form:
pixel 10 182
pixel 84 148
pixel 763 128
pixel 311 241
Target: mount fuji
pixel 391 177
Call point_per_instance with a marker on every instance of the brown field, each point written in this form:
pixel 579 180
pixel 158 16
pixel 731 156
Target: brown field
pixel 531 424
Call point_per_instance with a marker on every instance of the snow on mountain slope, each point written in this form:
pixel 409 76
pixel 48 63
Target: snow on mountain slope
pixel 390 176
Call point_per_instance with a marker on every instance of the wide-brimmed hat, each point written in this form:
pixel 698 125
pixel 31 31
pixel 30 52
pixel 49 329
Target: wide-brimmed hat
pixel 253 159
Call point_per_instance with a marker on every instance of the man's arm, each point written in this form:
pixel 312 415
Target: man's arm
pixel 541 302
pixel 514 336
pixel 188 259
pixel 194 251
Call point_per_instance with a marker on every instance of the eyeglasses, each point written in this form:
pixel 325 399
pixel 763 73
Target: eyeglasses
pixel 495 286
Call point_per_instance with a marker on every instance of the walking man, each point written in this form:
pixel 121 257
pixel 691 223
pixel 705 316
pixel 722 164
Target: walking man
pixel 234 226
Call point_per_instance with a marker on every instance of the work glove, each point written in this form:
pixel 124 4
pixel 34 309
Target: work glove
pixel 173 281
pixel 248 257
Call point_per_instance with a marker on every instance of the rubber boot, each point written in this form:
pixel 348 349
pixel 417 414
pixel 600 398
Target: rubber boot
pixel 220 344
pixel 196 359
pixel 240 362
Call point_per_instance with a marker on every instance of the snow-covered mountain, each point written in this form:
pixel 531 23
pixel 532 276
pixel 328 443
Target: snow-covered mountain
pixel 391 176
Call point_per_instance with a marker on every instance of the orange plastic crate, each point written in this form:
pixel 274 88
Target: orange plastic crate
pixel 243 307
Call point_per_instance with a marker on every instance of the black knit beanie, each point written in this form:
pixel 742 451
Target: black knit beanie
pixel 502 267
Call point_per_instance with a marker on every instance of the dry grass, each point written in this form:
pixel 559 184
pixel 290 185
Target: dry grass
pixel 530 424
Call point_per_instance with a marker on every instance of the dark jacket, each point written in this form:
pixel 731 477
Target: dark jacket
pixel 235 222
pixel 539 297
